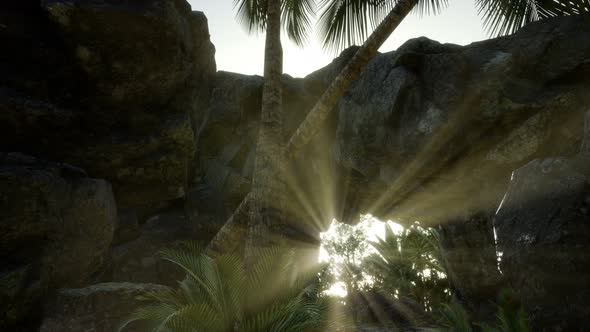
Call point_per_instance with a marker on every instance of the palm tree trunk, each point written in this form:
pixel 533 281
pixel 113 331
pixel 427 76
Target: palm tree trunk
pixel 266 203
pixel 347 76
pixel 230 236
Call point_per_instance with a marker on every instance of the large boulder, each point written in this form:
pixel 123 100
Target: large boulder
pixel 468 253
pixel 425 125
pixel 140 260
pixel 543 230
pixel 56 228
pixel 97 308
pixel 112 87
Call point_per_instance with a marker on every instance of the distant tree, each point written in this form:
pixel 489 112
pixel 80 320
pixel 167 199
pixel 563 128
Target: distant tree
pixel 408 265
pixel 347 247
pixel 266 204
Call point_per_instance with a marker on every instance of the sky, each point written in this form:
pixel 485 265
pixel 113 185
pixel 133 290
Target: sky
pixel 237 51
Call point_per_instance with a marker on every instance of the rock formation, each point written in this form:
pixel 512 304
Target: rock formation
pixel 112 88
pixel 543 230
pixel 119 138
pixel 107 86
pixel 56 228
pixel 429 133
pixel 101 307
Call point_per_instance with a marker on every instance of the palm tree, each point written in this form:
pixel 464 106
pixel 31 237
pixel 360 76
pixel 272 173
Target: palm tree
pixel 346 22
pixel 267 192
pixel 217 295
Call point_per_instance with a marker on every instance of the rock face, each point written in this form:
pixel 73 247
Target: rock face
pixel 114 88
pixel 127 91
pixel 98 308
pixel 227 140
pixel 434 131
pixel 111 87
pixel 56 227
pixel 139 260
pixel 430 132
pixel 543 229
pixel 469 254
pixel 426 125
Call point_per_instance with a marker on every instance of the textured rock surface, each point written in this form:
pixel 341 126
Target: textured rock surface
pixel 128 228
pixel 430 132
pixel 139 260
pixel 226 147
pixel 111 87
pixel 468 251
pixel 424 126
pixel 97 308
pixel 56 227
pixel 543 229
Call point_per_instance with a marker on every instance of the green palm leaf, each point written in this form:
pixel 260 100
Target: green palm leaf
pixel 296 16
pixel 348 22
pixel 503 17
pixel 218 295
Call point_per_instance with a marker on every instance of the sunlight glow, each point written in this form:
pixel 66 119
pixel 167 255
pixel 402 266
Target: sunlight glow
pixel 375 229
pixel 338 289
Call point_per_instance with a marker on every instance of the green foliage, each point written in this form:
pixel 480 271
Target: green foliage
pixel 347 247
pixel 455 318
pixel 401 266
pixel 503 17
pixel 510 318
pixel 348 22
pixel 219 295
pixel 408 264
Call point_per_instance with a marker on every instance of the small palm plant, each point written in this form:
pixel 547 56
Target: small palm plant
pixel 409 265
pixel 218 295
pixel 510 318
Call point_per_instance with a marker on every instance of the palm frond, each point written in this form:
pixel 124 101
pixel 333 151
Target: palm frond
pixel 217 295
pixel 200 269
pixel 455 318
pixel 502 17
pixel 251 14
pixel 345 23
pixel 296 16
pixel 431 7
